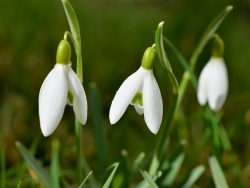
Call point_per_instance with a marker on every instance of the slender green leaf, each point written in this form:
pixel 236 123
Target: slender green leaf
pixel 225 141
pixel 85 179
pixel 32 150
pixel 162 143
pixel 55 168
pixel 183 62
pixel 217 173
pixel 123 179
pixel 19 184
pixel 147 177
pixel 41 173
pixel 194 176
pixel 65 183
pixel 73 22
pixel 75 30
pixel 209 115
pixel 109 180
pixel 99 132
pixel 86 168
pixel 79 148
pixel 174 169
pixel 163 57
pixel 208 34
pixel 138 160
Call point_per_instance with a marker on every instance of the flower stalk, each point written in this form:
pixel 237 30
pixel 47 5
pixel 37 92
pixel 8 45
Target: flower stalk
pixel 76 39
pixel 163 139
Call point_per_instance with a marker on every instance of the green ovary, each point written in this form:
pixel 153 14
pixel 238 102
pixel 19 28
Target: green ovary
pixel 70 98
pixel 138 96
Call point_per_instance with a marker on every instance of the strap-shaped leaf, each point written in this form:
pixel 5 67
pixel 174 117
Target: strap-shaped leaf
pixel 41 173
pixel 194 176
pixel 73 22
pixel 217 173
pixel 163 57
pixel 99 132
pixel 109 180
pixel 85 179
pixel 147 177
pixel 225 141
pixel 183 62
pixel 75 30
pixel 54 167
pixel 208 34
pixel 174 169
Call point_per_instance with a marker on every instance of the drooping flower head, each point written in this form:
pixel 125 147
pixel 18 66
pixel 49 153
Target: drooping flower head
pixel 61 86
pixel 213 80
pixel 141 90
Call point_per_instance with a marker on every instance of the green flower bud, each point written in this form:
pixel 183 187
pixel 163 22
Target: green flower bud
pixel 148 58
pixel 63 54
pixel 218 47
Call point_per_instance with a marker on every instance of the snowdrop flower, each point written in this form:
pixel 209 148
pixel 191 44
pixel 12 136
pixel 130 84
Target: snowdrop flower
pixel 141 90
pixel 213 80
pixel 61 86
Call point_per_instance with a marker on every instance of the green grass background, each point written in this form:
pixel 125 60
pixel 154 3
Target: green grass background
pixel 115 34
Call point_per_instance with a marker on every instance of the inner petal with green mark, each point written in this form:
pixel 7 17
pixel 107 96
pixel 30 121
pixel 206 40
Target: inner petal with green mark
pixel 138 97
pixel 70 98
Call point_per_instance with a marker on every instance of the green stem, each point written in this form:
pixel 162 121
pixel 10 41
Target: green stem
pixel 79 165
pixel 77 45
pixel 55 168
pixel 215 131
pixel 79 62
pixel 68 34
pixel 163 140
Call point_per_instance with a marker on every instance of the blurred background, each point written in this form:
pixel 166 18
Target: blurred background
pixel 115 34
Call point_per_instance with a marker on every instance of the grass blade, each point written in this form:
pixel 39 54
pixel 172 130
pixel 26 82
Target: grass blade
pixel 99 132
pixel 109 180
pixel 163 57
pixel 85 179
pixel 147 177
pixel 41 173
pixel 75 30
pixel 19 184
pixel 194 176
pixel 217 173
pixel 23 166
pixel 138 160
pixel 174 169
pixel 183 62
pixel 208 34
pixel 55 169
pixel 225 141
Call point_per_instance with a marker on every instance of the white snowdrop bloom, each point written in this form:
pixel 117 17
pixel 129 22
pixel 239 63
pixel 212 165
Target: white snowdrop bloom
pixel 213 84
pixel 141 90
pixel 61 85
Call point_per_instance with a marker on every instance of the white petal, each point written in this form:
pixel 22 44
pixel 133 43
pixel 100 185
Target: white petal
pixel 124 95
pixel 79 102
pixel 152 103
pixel 52 99
pixel 218 85
pixel 205 75
pixel 138 109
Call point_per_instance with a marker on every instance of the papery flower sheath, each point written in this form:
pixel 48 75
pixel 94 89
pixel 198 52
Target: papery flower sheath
pixel 141 90
pixel 61 85
pixel 213 84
